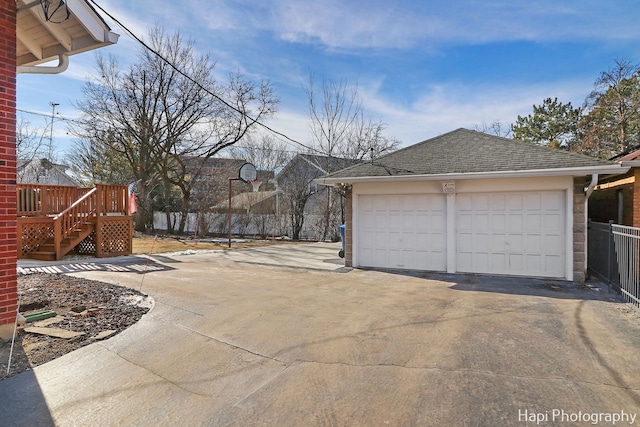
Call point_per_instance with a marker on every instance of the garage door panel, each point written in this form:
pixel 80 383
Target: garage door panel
pixel 534 262
pixel 554 262
pixel 533 243
pixel 552 241
pixel 514 202
pixel 465 221
pixel 533 222
pixel 497 202
pixel 515 222
pixel 482 221
pixel 409 230
pixel 552 200
pixel 515 243
pixel 554 221
pixel 514 233
pixel 498 260
pixel 437 242
pixel 532 202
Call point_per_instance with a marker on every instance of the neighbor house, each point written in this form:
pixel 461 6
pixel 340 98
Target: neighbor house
pixel 617 198
pixel 470 202
pixel 42 171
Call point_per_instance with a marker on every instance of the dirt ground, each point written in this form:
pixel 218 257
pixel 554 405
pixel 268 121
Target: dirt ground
pixel 81 305
pixel 99 306
pixel 155 244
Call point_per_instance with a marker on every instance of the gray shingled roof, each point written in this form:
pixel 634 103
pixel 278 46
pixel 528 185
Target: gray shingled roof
pixel 466 151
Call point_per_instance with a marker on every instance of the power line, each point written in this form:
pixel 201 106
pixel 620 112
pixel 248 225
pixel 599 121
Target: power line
pixel 47 116
pixel 192 80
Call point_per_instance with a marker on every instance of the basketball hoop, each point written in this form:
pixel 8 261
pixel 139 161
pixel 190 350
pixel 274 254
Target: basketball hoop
pixel 256 185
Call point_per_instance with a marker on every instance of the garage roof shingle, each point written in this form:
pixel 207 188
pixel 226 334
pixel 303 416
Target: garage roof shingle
pixel 467 151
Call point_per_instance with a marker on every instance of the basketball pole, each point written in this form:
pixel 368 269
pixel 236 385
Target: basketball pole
pixel 246 173
pixel 230 179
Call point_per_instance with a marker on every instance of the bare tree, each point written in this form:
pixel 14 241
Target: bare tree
pixel 339 128
pixel 30 141
pixel 262 150
pixel 298 191
pixel 94 163
pixel 496 128
pixel 166 114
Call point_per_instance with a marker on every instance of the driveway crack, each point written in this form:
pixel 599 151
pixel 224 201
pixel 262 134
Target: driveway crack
pixel 467 370
pixel 154 373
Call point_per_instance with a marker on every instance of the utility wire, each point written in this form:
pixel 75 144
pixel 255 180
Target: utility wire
pixel 48 116
pixel 182 73
pixel 237 147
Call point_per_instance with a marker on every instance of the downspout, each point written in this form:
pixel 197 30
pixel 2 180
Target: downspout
pixel 592 185
pixel 63 64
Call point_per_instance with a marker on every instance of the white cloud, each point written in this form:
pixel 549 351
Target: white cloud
pixel 446 107
pixel 384 24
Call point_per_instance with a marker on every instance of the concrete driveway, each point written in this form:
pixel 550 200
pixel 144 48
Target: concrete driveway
pixel 236 342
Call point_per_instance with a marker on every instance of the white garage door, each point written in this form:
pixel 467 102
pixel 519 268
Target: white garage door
pixel 511 233
pixel 402 231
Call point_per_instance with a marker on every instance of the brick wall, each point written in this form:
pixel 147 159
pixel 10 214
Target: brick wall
pixel 8 203
pixel 635 200
pixel 579 231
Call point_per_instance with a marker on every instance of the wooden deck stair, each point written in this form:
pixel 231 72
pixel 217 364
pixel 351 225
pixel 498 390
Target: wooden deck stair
pixel 47 250
pixel 54 220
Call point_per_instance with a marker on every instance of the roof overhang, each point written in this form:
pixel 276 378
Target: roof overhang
pixel 41 40
pixel 616 169
pixel 631 163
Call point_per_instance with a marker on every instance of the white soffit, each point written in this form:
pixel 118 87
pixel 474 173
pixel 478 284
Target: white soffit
pixel 40 40
pixel 615 169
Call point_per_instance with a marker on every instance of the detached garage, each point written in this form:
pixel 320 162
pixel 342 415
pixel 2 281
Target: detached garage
pixel 471 202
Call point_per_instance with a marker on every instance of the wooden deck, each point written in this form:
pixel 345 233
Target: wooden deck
pixel 54 220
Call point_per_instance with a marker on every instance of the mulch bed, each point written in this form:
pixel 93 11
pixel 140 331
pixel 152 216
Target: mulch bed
pixel 82 305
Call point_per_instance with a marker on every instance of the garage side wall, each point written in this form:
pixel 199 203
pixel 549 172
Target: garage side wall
pixel 8 202
pixel 579 230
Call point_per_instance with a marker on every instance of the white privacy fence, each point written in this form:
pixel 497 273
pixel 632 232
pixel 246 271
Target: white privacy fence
pixel 241 224
pixel 614 255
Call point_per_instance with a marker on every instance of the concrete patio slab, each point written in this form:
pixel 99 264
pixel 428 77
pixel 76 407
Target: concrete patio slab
pixel 236 343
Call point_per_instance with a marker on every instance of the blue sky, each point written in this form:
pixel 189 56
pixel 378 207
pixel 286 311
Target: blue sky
pixel 422 67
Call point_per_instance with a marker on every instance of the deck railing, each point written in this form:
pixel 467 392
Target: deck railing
pixel 43 200
pixel 50 200
pixel 112 199
pixel 73 218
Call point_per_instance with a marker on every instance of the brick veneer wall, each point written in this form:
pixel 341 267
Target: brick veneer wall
pixel 579 230
pixel 635 200
pixel 348 214
pixel 8 202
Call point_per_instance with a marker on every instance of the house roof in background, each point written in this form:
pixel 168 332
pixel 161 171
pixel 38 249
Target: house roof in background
pixel 464 151
pixel 42 38
pixel 42 171
pixel 324 164
pixel 628 156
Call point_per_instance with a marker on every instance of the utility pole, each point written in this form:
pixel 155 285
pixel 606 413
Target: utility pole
pixel 53 114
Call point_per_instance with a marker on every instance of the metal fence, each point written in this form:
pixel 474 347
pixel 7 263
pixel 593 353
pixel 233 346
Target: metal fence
pixel 614 255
